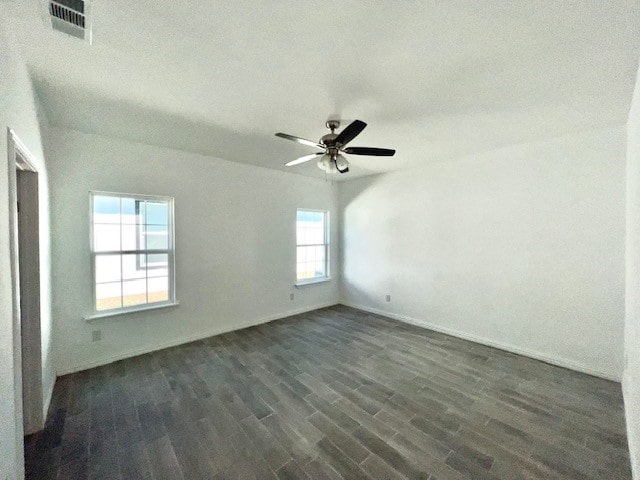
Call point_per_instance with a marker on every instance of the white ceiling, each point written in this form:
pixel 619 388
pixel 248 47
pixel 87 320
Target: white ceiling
pixel 434 79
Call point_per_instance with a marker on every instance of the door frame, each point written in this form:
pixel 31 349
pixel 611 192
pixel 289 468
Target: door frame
pixel 29 415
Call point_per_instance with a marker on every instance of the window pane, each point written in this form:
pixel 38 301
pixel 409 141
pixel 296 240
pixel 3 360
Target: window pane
pixel 157 265
pixel 130 237
pixel 315 236
pixel 157 213
pixel 108 268
pixel 300 255
pixel 311 269
pixel 132 211
pixel 310 254
pixel 106 237
pixel 304 271
pixel 311 241
pixel 134 292
pixel 157 237
pixel 108 296
pixel 133 266
pixel 125 224
pixel 158 289
pixel 106 209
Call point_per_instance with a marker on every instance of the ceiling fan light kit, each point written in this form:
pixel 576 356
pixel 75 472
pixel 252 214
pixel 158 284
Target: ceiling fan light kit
pixel 333 164
pixel 327 164
pixel 332 160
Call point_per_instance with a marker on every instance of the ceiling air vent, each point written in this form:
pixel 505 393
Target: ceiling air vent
pixel 71 17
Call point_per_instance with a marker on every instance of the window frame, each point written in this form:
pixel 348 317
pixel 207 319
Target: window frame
pixel 326 244
pixel 170 252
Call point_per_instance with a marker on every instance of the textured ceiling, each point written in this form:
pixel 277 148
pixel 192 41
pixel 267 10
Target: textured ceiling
pixel 434 79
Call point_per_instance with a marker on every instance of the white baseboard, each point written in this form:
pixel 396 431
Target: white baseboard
pixel 553 360
pixel 632 409
pixel 192 338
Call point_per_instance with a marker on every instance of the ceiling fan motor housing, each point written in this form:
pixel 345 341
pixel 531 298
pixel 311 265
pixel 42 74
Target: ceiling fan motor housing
pixel 329 140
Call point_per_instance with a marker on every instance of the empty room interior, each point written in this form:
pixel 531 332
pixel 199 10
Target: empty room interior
pixel 319 240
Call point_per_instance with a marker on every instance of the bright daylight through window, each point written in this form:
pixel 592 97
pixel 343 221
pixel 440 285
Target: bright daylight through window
pixel 132 249
pixel 312 245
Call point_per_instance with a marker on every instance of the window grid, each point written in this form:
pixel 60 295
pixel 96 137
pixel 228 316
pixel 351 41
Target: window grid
pixel 137 285
pixel 312 250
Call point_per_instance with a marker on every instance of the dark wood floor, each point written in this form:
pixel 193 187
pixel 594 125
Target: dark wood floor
pixel 335 393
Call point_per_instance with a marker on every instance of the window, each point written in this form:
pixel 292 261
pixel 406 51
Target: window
pixel 312 254
pixel 132 251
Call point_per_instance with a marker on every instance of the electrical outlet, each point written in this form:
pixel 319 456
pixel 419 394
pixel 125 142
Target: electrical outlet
pixel 96 335
pixel 388 298
pixel 291 296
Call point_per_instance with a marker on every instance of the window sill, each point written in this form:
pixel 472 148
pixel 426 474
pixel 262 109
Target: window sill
pixel 124 311
pixel 302 283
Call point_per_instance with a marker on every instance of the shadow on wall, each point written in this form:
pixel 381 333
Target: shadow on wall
pixel 359 188
pixel 89 112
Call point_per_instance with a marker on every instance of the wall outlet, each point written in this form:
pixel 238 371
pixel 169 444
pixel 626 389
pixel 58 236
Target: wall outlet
pixel 388 298
pixel 291 296
pixel 96 335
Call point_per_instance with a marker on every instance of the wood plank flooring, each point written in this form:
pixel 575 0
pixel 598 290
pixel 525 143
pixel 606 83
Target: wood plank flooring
pixel 334 393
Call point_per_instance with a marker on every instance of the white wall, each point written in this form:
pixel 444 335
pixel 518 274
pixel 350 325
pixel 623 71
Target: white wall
pixel 19 111
pixel 235 244
pixel 521 247
pixel 631 380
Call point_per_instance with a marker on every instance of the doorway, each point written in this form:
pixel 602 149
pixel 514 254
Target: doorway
pixel 25 231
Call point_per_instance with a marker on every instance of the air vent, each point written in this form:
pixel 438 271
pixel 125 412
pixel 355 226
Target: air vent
pixel 71 17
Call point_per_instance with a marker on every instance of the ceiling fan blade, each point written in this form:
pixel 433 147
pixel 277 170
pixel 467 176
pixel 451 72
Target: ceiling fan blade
pixel 376 152
pixel 300 160
pixel 303 141
pixel 350 132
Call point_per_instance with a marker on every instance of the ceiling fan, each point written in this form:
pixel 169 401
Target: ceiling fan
pixel 331 159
